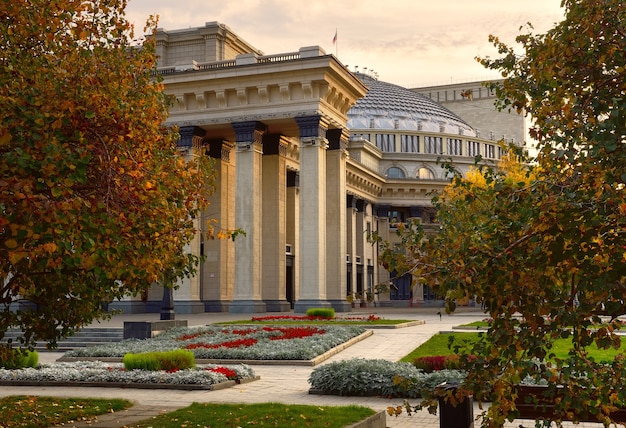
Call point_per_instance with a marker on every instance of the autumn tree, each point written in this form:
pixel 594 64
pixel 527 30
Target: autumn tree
pixel 96 203
pixel 545 253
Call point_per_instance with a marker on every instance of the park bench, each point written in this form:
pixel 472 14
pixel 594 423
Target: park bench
pixel 533 404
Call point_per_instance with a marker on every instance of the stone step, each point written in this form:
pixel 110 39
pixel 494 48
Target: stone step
pixel 81 339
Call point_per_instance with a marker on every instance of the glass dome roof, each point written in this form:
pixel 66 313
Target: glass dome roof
pixel 392 107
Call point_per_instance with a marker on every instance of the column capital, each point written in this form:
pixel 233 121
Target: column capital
pixel 219 149
pixel 275 144
pixel 416 211
pixel 189 135
pixel 382 210
pixel 249 132
pixel 337 139
pixel 312 126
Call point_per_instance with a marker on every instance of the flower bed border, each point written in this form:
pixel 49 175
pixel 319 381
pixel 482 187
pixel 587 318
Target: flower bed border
pixel 131 385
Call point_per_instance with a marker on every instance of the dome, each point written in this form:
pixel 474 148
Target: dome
pixel 392 107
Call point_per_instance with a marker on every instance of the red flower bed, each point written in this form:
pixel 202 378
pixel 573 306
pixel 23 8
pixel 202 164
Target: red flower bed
pixel 229 373
pixel 294 332
pixel 229 344
pixel 288 318
pixel 190 336
pixel 371 317
pixel 243 332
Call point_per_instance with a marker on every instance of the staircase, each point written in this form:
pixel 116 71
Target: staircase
pixel 81 339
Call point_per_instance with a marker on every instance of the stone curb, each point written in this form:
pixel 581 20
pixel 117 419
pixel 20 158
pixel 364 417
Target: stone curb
pixel 126 385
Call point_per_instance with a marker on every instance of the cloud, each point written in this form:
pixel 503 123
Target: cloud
pixel 430 39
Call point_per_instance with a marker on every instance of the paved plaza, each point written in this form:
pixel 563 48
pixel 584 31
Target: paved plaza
pixel 278 383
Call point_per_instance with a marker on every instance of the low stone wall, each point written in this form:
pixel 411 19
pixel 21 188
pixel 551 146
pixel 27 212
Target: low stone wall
pixel 149 329
pixel 379 420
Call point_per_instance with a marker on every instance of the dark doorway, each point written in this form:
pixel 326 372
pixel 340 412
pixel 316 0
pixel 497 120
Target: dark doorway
pixel 289 282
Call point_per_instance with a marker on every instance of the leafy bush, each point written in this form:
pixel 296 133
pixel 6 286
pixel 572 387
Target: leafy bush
pixel 179 359
pixel 434 363
pixel 18 358
pixel 326 313
pixel 377 377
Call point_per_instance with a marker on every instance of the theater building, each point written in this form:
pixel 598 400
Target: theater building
pixel 311 157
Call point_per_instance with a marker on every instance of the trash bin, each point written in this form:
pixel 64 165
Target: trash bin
pixel 460 415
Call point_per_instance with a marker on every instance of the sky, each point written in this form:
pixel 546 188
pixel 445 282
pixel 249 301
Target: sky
pixel 410 43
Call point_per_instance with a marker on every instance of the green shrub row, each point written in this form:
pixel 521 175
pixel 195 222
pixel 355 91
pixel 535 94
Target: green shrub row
pixel 12 359
pixel 179 359
pixel 363 377
pixel 327 313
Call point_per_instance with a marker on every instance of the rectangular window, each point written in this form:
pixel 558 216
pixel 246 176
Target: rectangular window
pixel 395 217
pixel 410 143
pixel 433 145
pixel 386 142
pixel 455 146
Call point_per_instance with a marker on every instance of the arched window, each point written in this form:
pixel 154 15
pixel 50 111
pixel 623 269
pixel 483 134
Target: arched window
pixel 395 172
pixel 425 174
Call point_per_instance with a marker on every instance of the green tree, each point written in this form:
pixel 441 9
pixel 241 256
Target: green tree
pixel 544 249
pixel 95 201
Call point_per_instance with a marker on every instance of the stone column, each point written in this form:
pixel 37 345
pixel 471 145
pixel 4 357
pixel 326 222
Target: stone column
pixel 293 235
pixel 248 216
pixel 187 295
pixel 336 239
pixel 361 250
pixel 274 223
pixel 383 275
pixel 416 212
pixel 352 252
pixel 218 270
pixel 312 257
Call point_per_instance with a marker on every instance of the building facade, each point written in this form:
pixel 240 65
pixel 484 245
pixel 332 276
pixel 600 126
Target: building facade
pixel 310 158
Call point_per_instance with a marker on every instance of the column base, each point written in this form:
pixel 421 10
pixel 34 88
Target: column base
pixel 216 305
pixel 277 306
pixel 188 307
pixel 301 306
pixel 247 307
pixel 135 307
pixel 341 305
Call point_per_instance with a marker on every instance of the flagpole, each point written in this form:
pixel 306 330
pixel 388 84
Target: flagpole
pixel 336 44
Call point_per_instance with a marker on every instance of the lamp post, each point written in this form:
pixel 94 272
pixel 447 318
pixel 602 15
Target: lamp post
pixel 167 304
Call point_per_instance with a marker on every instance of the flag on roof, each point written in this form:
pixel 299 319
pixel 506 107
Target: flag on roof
pixel 335 38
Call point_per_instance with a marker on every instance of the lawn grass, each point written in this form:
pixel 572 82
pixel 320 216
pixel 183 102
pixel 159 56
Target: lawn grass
pixel 438 345
pixel 259 415
pixel 476 324
pixel 35 412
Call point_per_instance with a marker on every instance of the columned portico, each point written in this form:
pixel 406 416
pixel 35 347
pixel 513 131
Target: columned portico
pixel 280 177
pixel 248 217
pixel 312 257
